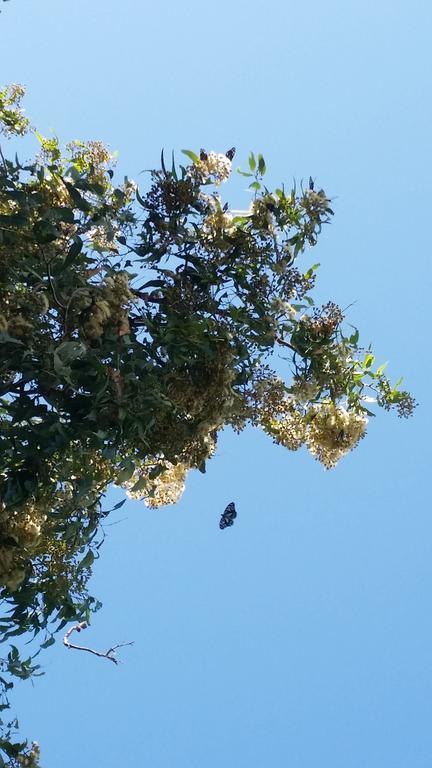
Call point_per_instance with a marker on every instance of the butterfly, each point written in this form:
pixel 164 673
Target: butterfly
pixel 203 155
pixel 230 154
pixel 228 516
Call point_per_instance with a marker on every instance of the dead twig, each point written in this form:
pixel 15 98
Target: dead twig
pixel 109 654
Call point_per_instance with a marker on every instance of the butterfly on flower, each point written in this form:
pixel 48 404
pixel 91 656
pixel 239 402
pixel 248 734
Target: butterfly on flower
pixel 228 516
pixel 230 154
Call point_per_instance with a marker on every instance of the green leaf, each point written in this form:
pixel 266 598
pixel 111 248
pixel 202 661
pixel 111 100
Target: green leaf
pixel 61 213
pixel 255 185
pixel 173 168
pixel 48 642
pixel 252 162
pixel 39 136
pixel 261 165
pixel 140 484
pixel 14 220
pixel 123 475
pixel 65 354
pixel 110 451
pixel 14 654
pixel 87 560
pixel 45 232
pixel 73 252
pixel 381 369
pixel 191 155
pixel 71 350
pixel 163 163
pixel 77 198
pixel 153 284
pixel 311 270
pixel 369 413
pixel 140 199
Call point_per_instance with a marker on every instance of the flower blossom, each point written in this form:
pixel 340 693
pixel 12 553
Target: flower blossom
pixel 215 165
pixel 166 488
pixel 333 432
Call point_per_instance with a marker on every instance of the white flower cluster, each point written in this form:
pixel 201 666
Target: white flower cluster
pixel 289 430
pixel 217 223
pixel 166 488
pixel 329 431
pixel 30 532
pixel 90 152
pixel 260 210
pixel 103 237
pixel 333 432
pixel 25 529
pixel 282 307
pixel 304 391
pixel 30 759
pixel 12 120
pixel 216 166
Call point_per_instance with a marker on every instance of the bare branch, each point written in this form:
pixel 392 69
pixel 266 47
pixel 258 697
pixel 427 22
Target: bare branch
pixel 109 654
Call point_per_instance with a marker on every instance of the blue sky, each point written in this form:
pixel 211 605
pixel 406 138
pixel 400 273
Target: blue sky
pixel 302 636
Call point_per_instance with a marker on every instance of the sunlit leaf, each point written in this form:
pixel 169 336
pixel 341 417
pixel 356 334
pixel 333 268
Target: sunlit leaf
pixel 191 155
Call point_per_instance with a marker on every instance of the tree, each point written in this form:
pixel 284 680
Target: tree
pixel 134 326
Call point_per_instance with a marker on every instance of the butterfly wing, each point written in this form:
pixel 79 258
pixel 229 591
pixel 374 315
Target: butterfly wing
pixel 228 516
pixel 230 154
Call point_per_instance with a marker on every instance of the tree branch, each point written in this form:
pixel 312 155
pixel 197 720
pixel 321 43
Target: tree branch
pixel 109 654
pixel 286 344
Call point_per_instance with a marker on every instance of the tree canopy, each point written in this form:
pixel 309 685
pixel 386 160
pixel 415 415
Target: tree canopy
pixel 136 324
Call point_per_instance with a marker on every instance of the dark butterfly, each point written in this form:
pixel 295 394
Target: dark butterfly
pixel 311 184
pixel 203 155
pixel 228 516
pixel 230 154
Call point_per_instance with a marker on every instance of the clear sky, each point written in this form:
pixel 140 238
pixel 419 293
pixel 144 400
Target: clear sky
pixel 302 636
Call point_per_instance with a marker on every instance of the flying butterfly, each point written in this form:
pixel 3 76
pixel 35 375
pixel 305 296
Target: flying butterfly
pixel 228 516
pixel 230 154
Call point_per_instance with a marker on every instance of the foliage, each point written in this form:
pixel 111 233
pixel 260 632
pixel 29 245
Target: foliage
pixel 134 326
